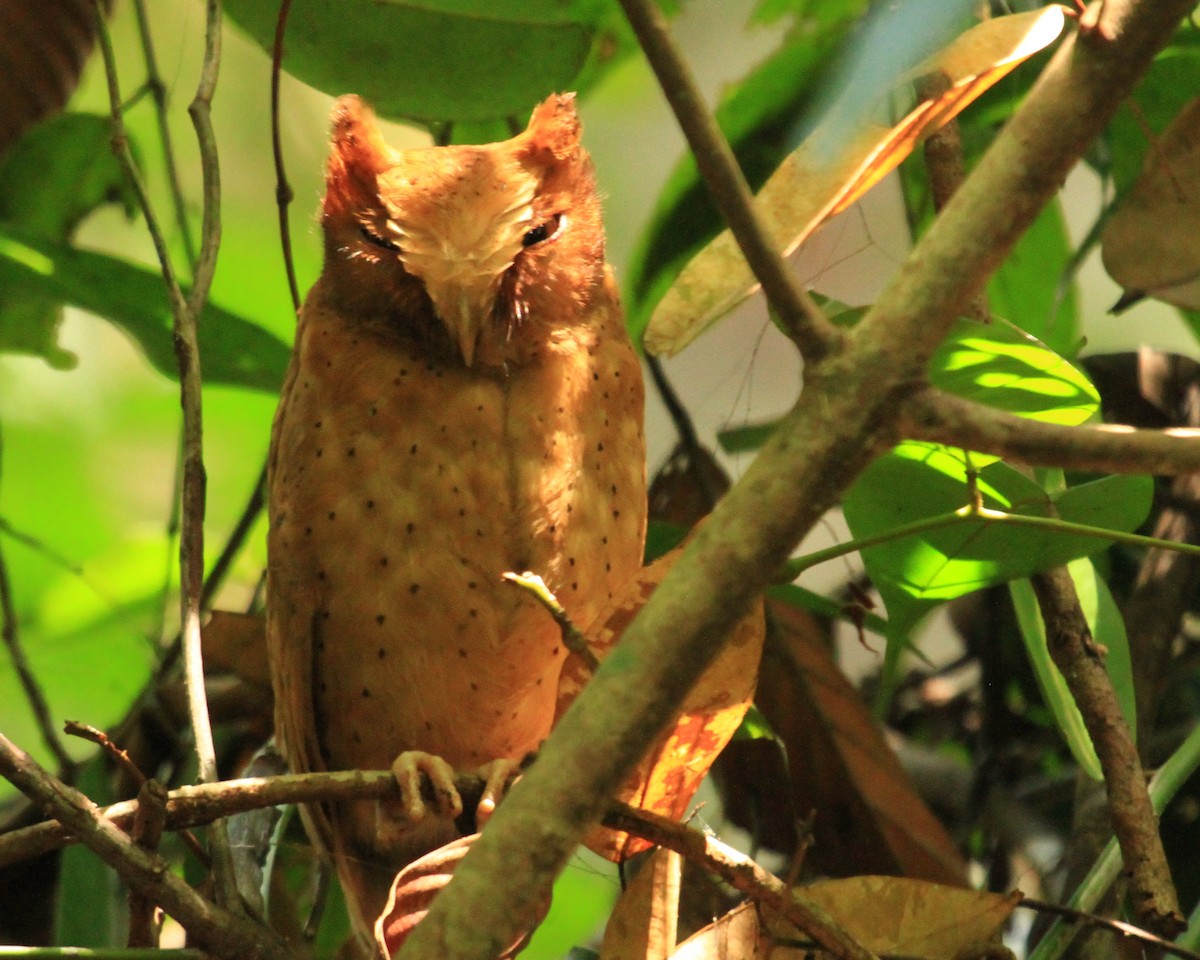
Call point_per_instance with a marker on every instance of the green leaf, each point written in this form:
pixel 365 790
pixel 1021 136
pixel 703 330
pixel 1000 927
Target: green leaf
pixel 58 173
pixel 1166 86
pixel 52 178
pixel 1027 289
pixel 1002 366
pixel 437 61
pixel 233 351
pixel 1108 630
pixel 90 901
pixel 754 726
pixel 759 118
pixel 918 482
pixel 662 538
pixel 822 606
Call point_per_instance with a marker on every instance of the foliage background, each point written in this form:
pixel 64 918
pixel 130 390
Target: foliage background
pixel 89 454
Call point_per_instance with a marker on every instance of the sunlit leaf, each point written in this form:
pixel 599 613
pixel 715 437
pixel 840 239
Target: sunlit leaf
pixel 835 166
pixel 52 178
pixel 995 364
pixel 758 117
pixel 1001 366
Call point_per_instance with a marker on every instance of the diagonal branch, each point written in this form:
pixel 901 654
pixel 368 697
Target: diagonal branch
pixel 799 315
pixel 847 411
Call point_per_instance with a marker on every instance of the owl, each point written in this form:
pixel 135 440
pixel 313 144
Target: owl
pixel 462 401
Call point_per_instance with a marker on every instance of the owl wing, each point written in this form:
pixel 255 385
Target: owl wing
pixel 292 622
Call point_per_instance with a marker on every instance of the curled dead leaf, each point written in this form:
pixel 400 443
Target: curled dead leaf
pixel 643 923
pixel 834 167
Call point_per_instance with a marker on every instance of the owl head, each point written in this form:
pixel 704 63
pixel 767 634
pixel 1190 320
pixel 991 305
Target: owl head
pixel 480 251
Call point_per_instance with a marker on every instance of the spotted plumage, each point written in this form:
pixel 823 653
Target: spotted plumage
pixel 462 401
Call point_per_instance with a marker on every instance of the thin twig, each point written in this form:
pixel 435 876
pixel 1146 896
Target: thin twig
pixel 283 189
pixel 184 311
pixel 945 164
pixel 689 441
pixel 572 637
pixel 187 348
pixel 1119 927
pixel 158 92
pixel 219 931
pixel 147 831
pixel 121 758
pixel 10 631
pixel 1151 893
pixel 202 803
pixel 798 314
pixel 120 146
pixel 237 539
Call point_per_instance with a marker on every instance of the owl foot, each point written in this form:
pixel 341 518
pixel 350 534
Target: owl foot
pixel 407 769
pixel 496 778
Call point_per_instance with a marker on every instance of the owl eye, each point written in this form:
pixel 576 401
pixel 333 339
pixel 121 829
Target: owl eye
pixel 376 240
pixel 543 231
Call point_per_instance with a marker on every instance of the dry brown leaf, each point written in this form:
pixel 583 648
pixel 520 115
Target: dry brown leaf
pixel 1149 246
pixel 810 187
pixel 913 918
pixel 869 818
pixel 735 936
pixel 669 775
pixel 887 915
pixel 643 923
pixel 236 643
pixel 48 44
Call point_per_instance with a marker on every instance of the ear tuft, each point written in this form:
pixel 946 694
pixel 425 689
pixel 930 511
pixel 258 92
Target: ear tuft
pixel 357 155
pixel 555 126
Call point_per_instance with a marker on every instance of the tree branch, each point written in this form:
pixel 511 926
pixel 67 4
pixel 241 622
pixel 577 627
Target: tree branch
pixel 202 803
pixel 1110 448
pixel 218 931
pixel 848 410
pixel 1151 892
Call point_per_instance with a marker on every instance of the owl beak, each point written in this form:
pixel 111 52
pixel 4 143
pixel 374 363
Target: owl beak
pixel 465 307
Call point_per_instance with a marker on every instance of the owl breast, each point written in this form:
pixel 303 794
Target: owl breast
pixel 402 487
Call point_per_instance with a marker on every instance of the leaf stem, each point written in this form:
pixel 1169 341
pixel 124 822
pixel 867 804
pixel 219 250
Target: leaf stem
pixel 158 92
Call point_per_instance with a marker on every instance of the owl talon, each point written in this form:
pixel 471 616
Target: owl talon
pixel 407 769
pixel 496 776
